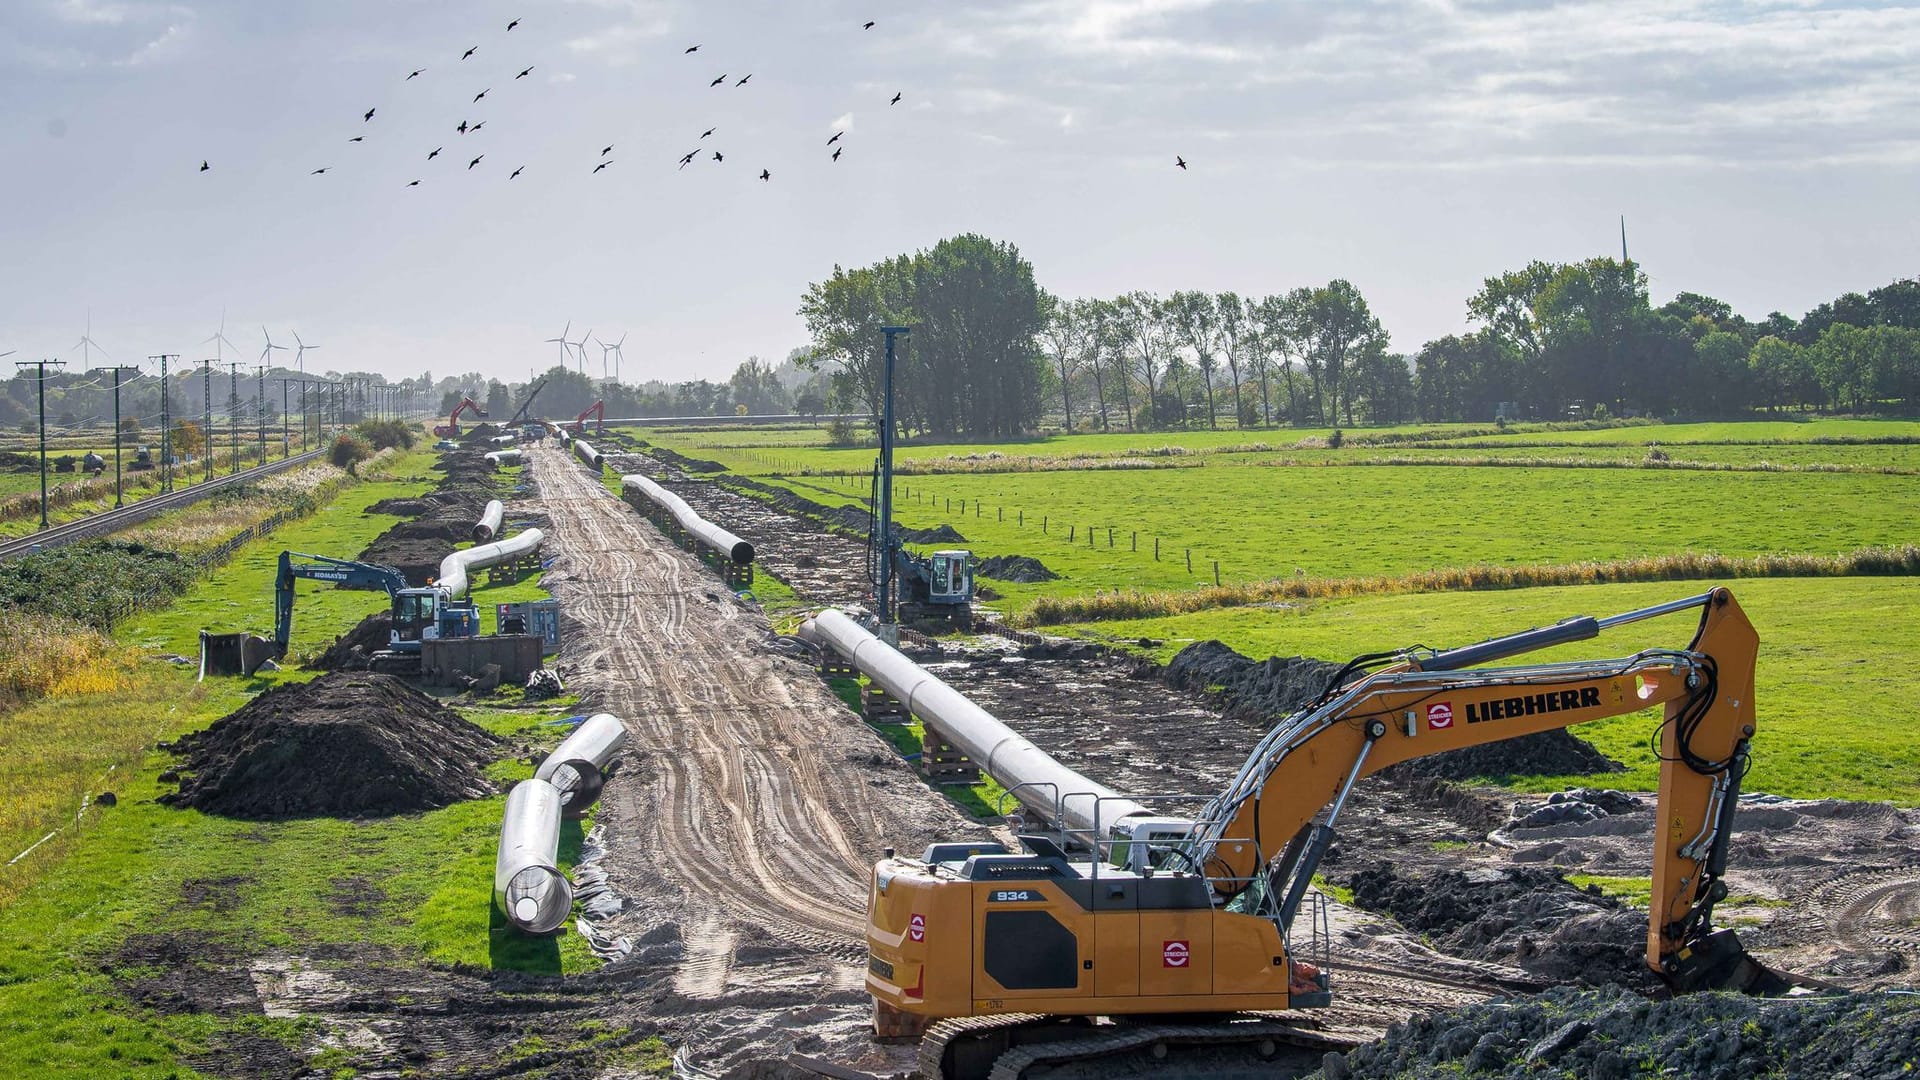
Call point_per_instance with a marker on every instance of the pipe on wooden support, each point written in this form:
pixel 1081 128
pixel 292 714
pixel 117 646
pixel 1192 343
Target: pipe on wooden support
pixel 502 458
pixel 489 524
pixel 528 887
pixel 713 536
pixel 1041 783
pixel 455 567
pixel 577 768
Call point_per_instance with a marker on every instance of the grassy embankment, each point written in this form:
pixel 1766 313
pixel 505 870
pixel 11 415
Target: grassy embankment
pixel 420 883
pixel 1833 647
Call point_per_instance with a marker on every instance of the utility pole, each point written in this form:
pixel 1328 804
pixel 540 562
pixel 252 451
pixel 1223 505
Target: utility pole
pixel 42 366
pixel 883 499
pixel 233 413
pixel 286 440
pixel 260 406
pixel 206 391
pixel 166 424
pixel 117 369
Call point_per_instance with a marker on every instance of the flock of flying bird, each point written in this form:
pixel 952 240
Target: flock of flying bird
pixel 606 159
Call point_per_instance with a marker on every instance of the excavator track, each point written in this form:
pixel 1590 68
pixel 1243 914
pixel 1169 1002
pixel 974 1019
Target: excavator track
pixel 1012 1047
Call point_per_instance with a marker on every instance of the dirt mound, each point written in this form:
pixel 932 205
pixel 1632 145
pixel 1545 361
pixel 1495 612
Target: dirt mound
pixel 1019 568
pixel 1609 1034
pixel 1544 753
pixel 1257 691
pixel 442 518
pixel 1527 917
pixel 349 651
pixel 347 744
pixel 477 434
pixel 939 534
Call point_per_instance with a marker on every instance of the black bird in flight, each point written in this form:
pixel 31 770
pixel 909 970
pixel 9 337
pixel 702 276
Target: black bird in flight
pixel 602 165
pixel 477 126
pixel 436 152
pixel 1179 161
pixel 204 166
pixel 868 25
pixel 708 132
pixel 836 137
pixel 358 138
pixel 743 81
pixel 462 129
pixel 515 174
pixel 688 160
pixel 368 116
pixel 474 162
pixel 718 81
pixel 524 74
pixel 717 156
pixel 836 153
pixel 513 24
pixel 413 183
pixel 691 49
pixel 896 99
pixel 482 94
pixel 318 171
pixel 470 52
pixel 765 175
pixel 605 151
pixel 413 73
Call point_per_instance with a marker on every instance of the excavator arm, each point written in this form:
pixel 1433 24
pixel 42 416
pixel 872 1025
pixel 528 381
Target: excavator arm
pixel 1291 790
pixel 323 568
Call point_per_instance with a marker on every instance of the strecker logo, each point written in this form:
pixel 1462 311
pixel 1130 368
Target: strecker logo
pixel 1587 697
pixel 1440 715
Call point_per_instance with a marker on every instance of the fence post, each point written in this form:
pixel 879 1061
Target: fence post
pixel 1089 536
pixel 1109 536
pixel 1136 539
pixel 1023 517
pixel 1002 511
pixel 1070 529
pixel 1043 523
pixel 1216 573
pixel 1156 549
pixel 1189 560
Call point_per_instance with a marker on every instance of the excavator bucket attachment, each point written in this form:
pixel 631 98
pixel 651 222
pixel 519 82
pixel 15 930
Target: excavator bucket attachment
pixel 233 654
pixel 1719 962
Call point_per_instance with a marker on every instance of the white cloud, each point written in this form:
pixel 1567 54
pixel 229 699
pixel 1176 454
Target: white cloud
pixel 844 122
pixel 559 78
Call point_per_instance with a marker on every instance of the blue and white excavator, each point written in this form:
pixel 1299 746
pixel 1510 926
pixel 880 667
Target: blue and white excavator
pixel 419 613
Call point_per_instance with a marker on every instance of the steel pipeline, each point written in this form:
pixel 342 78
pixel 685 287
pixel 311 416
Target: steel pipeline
pixel 709 534
pixel 584 450
pixel 577 768
pixel 1030 774
pixel 528 887
pixel 504 457
pixel 454 568
pixel 489 524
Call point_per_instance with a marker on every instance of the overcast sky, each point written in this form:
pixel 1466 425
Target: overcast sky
pixel 1764 152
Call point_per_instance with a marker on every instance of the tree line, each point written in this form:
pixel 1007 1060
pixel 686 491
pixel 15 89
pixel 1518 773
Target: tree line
pixel 991 352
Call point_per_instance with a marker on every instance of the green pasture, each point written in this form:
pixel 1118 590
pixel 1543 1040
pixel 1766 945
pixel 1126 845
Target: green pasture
pixel 1345 522
pixel 1834 683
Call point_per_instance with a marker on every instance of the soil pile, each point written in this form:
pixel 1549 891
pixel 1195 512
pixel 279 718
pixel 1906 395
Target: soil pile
pixel 1544 753
pixel 442 519
pixel 1523 916
pixel 939 534
pixel 1608 1034
pixel 1256 691
pixel 351 650
pixel 479 433
pixel 1018 568
pixel 347 744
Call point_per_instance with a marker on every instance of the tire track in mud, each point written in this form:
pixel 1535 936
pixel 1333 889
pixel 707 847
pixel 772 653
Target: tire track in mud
pixel 754 802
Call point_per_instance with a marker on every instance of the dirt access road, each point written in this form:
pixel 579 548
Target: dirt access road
pixel 744 826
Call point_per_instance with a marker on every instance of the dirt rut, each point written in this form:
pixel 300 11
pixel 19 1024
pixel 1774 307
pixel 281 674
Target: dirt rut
pixel 746 839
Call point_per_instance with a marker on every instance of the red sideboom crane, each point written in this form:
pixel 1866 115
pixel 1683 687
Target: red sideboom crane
pixel 598 411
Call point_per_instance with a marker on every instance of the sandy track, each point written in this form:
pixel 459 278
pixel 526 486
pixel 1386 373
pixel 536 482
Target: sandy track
pixel 745 827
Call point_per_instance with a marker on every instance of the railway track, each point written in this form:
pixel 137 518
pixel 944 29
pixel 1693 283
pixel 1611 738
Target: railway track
pixel 110 521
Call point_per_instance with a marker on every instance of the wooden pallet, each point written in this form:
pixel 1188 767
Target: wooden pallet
pixel 944 763
pixel 881 707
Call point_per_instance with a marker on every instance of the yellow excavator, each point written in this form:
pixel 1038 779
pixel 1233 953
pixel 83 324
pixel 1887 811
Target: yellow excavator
pixel 1000 961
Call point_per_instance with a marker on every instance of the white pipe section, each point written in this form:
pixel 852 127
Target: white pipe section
pixel 577 768
pixel 489 524
pixel 585 452
pixel 504 457
pixel 453 568
pixel 504 440
pixel 1045 786
pixel 528 887
pixel 710 534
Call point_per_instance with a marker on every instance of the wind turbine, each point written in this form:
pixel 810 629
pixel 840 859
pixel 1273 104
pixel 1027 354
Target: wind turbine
pixel 266 354
pixel 580 352
pixel 300 354
pixel 564 343
pixel 618 356
pixel 86 344
pixel 606 351
pixel 219 339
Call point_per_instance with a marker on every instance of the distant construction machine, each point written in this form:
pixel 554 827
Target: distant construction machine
pixel 419 613
pixel 598 412
pixel 926 589
pixel 451 429
pixel 1196 931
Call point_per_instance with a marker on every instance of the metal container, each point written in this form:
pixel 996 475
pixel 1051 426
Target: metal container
pixel 528 887
pixel 577 767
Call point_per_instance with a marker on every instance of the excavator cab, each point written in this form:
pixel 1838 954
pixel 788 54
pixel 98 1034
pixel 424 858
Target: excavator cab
pixel 952 577
pixel 414 611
